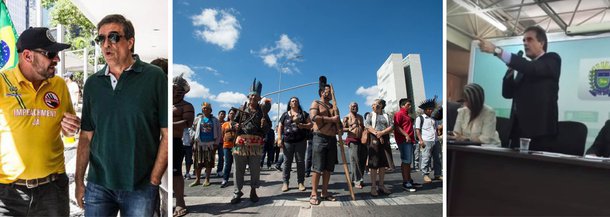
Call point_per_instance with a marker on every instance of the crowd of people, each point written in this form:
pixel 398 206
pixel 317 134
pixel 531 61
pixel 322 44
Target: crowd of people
pixel 245 136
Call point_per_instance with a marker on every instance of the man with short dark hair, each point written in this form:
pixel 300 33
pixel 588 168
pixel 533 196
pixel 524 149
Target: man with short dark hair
pixel 124 129
pixel 35 108
pixel 219 168
pixel 534 87
pixel 403 133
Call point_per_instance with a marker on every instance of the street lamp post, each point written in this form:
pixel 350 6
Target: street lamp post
pixel 279 85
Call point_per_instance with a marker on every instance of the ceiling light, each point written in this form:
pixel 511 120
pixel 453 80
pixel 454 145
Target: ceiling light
pixel 477 10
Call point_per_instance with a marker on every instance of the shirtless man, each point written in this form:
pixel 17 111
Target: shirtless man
pixel 183 114
pixel 353 124
pixel 324 143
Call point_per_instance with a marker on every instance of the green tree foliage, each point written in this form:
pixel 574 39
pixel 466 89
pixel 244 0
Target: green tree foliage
pixel 79 28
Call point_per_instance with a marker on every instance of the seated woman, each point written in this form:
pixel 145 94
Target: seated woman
pixel 476 121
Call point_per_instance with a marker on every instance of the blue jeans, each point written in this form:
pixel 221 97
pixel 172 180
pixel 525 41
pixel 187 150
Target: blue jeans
pixel 101 201
pixel 406 152
pixel 188 156
pixel 291 151
pixel 416 156
pixel 228 163
pixel 431 151
pixel 268 151
pixel 220 158
pixel 308 157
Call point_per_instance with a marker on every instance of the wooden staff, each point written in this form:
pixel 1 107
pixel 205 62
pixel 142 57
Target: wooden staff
pixel 341 144
pixel 196 144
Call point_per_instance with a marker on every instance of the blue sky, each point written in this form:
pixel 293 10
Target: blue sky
pixel 221 46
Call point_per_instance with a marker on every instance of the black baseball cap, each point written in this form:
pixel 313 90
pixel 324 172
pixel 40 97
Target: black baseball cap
pixel 39 37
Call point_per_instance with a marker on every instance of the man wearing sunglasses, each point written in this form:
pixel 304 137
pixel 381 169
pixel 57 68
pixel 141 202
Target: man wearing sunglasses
pixel 34 108
pixel 124 129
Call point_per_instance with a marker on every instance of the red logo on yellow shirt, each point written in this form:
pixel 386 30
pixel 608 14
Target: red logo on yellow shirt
pixel 51 100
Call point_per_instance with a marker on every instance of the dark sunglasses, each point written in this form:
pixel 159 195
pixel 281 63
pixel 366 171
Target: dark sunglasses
pixel 113 36
pixel 48 54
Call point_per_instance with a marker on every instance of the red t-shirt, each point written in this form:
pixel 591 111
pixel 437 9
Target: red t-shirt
pixel 402 120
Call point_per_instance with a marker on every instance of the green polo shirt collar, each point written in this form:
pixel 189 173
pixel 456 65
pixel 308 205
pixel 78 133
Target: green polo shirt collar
pixel 137 66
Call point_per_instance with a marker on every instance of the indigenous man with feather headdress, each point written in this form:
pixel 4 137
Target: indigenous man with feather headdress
pixel 253 123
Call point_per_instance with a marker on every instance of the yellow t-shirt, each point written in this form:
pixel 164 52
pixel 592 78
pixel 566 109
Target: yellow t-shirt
pixel 30 126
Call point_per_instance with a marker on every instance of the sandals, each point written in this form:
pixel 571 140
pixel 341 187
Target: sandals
pixel 329 198
pixel 385 191
pixel 313 200
pixel 180 211
pixel 374 192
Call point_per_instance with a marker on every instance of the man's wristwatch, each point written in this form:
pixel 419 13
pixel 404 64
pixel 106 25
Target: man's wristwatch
pixel 497 51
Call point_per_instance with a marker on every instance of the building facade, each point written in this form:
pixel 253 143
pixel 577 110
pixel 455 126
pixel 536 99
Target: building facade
pixel 400 77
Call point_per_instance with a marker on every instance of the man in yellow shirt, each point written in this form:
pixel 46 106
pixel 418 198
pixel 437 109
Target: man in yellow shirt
pixel 34 107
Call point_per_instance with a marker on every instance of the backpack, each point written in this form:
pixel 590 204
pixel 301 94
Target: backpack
pixel 421 121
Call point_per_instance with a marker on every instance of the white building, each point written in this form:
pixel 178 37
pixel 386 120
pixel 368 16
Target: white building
pixel 401 78
pixel 18 9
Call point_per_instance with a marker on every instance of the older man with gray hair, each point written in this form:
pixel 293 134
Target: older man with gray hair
pixel 353 124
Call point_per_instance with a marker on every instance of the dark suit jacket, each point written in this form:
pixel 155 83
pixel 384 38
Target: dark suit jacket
pixel 534 93
pixel 601 146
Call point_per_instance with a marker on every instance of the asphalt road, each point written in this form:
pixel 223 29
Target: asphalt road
pixel 213 200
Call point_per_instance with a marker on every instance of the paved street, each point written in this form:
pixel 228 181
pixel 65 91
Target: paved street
pixel 213 200
pixel 70 160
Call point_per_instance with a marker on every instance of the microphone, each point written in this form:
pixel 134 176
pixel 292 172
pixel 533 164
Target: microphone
pixel 510 71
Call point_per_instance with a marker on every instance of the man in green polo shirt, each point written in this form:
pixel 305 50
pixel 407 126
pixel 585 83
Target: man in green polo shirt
pixel 125 107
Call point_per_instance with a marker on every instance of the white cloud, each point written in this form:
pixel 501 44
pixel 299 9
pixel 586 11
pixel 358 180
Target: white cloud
pixel 197 89
pixel 287 47
pixel 282 56
pixel 370 93
pixel 210 69
pixel 223 82
pixel 273 113
pixel 270 60
pixel 227 105
pixel 230 98
pixel 220 27
pixel 207 69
